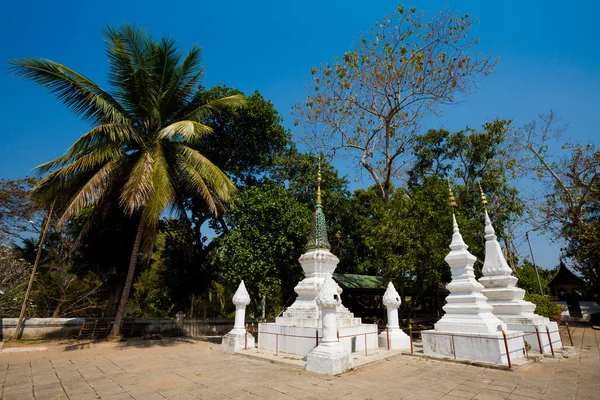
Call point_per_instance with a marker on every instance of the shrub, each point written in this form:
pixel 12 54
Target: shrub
pixel 544 306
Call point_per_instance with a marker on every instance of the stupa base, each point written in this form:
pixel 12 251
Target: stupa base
pixel 533 338
pixel 398 340
pixel 329 358
pixel 301 340
pixel 483 347
pixel 236 341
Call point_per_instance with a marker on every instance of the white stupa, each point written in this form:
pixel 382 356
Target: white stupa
pixel 295 330
pixel 468 330
pixel 507 299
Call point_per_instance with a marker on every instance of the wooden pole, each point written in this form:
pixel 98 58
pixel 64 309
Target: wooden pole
pixel 410 336
pixel 534 264
pixel 550 341
pixel 387 331
pixel 537 332
pixel 506 347
pixel 569 332
pixel 32 278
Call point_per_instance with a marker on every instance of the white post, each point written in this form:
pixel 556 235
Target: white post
pixel 237 339
pixel 393 337
pixel 329 357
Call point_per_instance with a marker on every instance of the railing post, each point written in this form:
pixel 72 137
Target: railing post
pixel 537 332
pixel 316 337
pixel 276 343
pixel 366 353
pixel 387 332
pixel 246 337
pixel 550 340
pixel 410 336
pixel 569 332
pixel 506 347
pixel 338 335
pixel 453 347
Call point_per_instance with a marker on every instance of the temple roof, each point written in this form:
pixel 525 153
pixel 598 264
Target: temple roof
pixel 355 281
pixel 564 276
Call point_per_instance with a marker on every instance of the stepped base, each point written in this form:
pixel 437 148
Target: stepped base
pixel 398 340
pixel 528 325
pixel 484 347
pixel 470 323
pixel 301 340
pixel 234 341
pixel 329 358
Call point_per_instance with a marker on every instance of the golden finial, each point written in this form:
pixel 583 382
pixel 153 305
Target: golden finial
pixel 319 183
pixel 451 200
pixel 483 198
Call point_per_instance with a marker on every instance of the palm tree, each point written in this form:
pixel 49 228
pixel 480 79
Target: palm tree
pixel 140 149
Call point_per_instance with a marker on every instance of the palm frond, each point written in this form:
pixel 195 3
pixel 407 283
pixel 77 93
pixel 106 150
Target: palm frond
pixel 215 179
pixel 139 187
pixel 89 193
pixel 130 55
pixel 164 192
pixel 216 106
pixel 78 93
pixel 185 81
pixel 192 181
pixel 188 131
pixel 89 161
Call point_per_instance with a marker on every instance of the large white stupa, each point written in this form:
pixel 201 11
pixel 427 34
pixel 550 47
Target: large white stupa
pixel 297 329
pixel 469 330
pixel 508 301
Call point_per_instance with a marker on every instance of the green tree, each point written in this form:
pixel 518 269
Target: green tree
pixel 370 103
pixel 470 157
pixel 139 150
pixel 266 236
pixel 407 238
pixel 528 278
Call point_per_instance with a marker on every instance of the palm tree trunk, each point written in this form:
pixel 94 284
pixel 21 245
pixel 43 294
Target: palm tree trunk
pixel 116 329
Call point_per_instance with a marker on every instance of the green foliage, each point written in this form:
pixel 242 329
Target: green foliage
pixel 267 229
pixel 140 154
pixel 246 140
pixel 544 306
pixel 528 279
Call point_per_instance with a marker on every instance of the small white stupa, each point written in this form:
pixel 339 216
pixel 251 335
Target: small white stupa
pixel 329 357
pixel 238 339
pixel 468 330
pixel 393 337
pixel 297 330
pixel 507 299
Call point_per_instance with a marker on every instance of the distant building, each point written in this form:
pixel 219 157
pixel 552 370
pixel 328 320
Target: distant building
pixel 568 287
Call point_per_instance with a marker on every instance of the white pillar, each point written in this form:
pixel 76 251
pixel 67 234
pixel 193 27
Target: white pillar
pixel 238 339
pixel 329 357
pixel 393 336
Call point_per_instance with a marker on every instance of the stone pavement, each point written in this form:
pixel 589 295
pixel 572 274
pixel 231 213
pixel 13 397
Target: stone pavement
pixel 198 370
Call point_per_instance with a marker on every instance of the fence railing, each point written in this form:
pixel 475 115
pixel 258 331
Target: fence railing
pixel 316 337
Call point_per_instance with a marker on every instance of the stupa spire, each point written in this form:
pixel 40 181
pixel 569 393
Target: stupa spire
pixel 317 238
pixel 457 241
pixel 494 262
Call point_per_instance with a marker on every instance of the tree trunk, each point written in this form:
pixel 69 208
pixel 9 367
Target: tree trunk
pixel 56 312
pixel 116 329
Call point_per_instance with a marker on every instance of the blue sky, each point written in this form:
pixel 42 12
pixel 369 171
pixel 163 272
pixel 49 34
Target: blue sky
pixel 549 59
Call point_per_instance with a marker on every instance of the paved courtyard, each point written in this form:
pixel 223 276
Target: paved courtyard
pixel 198 370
